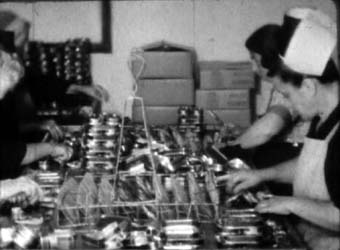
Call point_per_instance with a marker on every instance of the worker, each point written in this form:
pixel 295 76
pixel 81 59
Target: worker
pixel 279 131
pixel 21 188
pixel 29 94
pixel 14 153
pixel 309 79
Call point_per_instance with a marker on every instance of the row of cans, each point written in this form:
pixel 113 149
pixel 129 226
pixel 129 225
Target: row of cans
pixel 69 61
pixel 190 118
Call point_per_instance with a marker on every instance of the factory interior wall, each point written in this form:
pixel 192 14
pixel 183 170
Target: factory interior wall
pixel 216 29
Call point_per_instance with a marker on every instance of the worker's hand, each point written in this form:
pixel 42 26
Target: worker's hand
pixel 262 130
pixel 86 111
pixel 235 142
pixel 33 190
pixel 249 137
pixel 240 180
pixel 276 205
pixel 19 198
pixel 11 70
pixel 23 190
pixel 53 129
pixel 95 91
pixel 61 153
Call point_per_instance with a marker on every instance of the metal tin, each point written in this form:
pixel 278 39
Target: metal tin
pixel 180 229
pixel 103 154
pixel 59 239
pixel 180 222
pixel 49 200
pixel 95 120
pixel 137 238
pixel 218 168
pixel 174 153
pixel 24 237
pixel 250 230
pixel 17 213
pixel 182 111
pixel 48 241
pixel 43 165
pixel 6 236
pixel 100 131
pixel 109 230
pixel 42 175
pixel 99 164
pixel 100 143
pixel 110 245
pixel 180 247
pixel 137 168
pixel 236 240
pixel 112 120
pixel 238 164
pixel 93 238
pixel 66 238
pixel 167 183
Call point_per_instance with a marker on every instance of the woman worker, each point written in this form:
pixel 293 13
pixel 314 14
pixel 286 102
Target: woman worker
pixel 279 132
pixel 14 154
pixel 310 81
pixel 11 189
pixel 32 84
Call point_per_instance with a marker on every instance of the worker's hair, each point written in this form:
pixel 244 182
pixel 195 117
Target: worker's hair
pixel 10 21
pixel 329 75
pixel 8 17
pixel 264 41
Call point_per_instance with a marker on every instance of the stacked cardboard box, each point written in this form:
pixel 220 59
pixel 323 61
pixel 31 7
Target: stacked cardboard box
pixel 165 84
pixel 227 89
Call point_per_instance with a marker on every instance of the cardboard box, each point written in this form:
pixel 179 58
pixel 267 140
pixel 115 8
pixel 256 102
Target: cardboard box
pixel 219 75
pixel 161 115
pixel 242 118
pixel 166 92
pixel 163 60
pixel 226 65
pixel 224 99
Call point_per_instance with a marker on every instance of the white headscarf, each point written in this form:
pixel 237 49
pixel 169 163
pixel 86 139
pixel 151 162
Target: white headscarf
pixel 312 43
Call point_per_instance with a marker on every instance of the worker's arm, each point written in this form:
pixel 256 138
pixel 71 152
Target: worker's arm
pixel 23 185
pixel 49 126
pixel 283 172
pixel 36 151
pixel 265 128
pixel 244 179
pixel 97 92
pixel 322 213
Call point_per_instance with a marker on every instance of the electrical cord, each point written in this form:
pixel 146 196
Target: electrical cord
pixel 136 55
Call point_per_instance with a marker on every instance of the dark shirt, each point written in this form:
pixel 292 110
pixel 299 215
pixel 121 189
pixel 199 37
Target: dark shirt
pixel 12 149
pixel 332 162
pixel 44 88
pixel 48 89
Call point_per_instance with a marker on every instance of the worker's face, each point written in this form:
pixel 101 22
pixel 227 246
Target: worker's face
pixel 257 66
pixel 302 98
pixel 10 72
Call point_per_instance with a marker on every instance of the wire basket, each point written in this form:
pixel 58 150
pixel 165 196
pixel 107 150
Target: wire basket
pixel 135 211
pixel 141 197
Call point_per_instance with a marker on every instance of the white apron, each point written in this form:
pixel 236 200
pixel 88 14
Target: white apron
pixel 309 181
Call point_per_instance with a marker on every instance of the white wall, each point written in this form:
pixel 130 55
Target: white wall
pixel 216 29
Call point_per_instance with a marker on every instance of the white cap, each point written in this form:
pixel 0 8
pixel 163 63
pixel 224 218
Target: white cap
pixel 312 43
pixel 299 12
